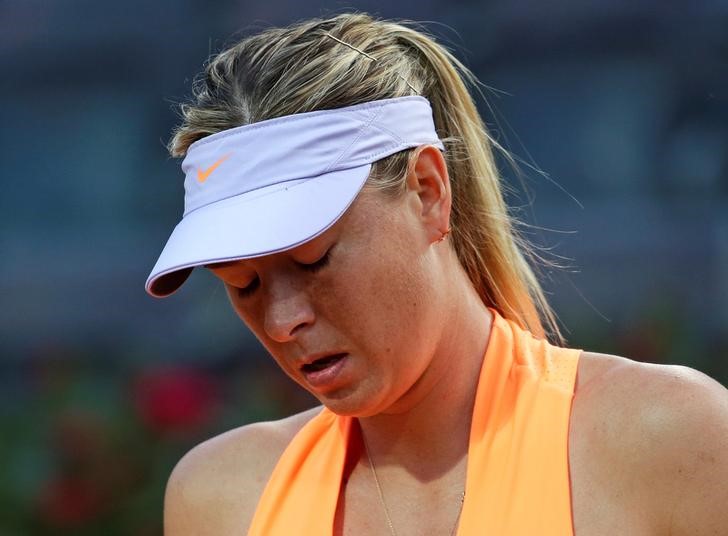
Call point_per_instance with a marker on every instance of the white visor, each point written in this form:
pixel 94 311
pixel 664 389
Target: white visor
pixel 273 185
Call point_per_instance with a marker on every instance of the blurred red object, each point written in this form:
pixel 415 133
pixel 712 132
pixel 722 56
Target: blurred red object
pixel 70 501
pixel 176 400
pixel 91 472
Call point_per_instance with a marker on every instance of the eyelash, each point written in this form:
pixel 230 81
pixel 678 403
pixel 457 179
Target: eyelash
pixel 313 267
pixel 316 266
pixel 244 292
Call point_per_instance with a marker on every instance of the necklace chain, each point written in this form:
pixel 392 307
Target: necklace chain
pixel 384 503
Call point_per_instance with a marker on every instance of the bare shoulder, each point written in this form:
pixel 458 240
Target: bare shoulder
pixel 215 487
pixel 661 431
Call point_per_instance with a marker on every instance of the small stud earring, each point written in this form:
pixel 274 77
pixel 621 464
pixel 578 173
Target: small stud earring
pixel 444 235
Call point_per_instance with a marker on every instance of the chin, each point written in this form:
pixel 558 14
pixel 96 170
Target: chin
pixel 349 403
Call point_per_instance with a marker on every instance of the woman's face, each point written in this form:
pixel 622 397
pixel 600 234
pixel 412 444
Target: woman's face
pixel 352 316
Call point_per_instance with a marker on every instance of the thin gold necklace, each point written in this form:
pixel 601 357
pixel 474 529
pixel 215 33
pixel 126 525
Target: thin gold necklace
pixel 384 503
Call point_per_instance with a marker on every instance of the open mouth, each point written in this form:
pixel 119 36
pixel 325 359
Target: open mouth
pixel 324 362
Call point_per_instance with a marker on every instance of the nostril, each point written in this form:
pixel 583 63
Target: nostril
pixel 299 327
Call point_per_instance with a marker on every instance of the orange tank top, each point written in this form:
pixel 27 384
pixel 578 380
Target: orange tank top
pixel 517 480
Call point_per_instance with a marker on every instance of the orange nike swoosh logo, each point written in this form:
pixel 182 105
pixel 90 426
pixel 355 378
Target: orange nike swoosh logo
pixel 202 174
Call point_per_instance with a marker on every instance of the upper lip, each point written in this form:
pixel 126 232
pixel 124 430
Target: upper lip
pixel 307 360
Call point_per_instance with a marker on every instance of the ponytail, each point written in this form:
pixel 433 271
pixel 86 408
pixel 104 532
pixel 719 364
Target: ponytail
pixel 353 58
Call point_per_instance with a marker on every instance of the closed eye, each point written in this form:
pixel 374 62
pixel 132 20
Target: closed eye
pixel 248 290
pixel 244 292
pixel 318 265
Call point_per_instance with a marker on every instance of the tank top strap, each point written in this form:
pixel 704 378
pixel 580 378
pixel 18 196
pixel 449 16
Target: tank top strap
pixel 303 491
pixel 518 468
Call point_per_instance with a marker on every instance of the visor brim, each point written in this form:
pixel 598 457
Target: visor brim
pixel 257 223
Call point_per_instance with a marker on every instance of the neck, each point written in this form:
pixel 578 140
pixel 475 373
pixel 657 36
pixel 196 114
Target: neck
pixel 429 429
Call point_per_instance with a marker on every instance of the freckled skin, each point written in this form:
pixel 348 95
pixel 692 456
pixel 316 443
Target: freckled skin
pixel 398 302
pixel 375 300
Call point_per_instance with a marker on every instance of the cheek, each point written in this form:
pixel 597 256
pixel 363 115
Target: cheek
pixel 382 308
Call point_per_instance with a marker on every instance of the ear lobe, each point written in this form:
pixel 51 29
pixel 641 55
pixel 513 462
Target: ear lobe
pixel 429 179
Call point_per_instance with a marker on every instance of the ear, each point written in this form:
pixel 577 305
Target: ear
pixel 428 179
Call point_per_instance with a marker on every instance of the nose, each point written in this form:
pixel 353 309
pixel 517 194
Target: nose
pixel 287 311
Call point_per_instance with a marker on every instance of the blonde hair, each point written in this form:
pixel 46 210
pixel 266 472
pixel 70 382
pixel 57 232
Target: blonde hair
pixel 354 58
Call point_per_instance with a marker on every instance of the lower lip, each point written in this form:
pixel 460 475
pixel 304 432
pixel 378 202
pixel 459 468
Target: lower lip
pixel 324 378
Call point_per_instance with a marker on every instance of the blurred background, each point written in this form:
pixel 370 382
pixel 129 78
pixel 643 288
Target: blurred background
pixel 622 105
